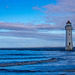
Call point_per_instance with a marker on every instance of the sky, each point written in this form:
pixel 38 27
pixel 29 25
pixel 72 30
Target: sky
pixel 35 23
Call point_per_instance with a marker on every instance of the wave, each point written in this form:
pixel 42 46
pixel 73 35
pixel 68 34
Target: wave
pixel 28 62
pixel 33 71
pixel 23 58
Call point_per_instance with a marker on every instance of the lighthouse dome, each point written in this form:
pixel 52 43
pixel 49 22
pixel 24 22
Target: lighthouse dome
pixel 68 23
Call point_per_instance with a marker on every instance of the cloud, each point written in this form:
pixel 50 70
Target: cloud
pixel 27 26
pixel 36 8
pixel 59 13
pixel 63 6
pixel 29 30
pixel 15 26
pixel 39 35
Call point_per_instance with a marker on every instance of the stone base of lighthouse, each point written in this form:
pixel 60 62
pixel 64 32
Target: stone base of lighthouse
pixel 69 48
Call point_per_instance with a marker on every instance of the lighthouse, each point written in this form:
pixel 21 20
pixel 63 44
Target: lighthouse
pixel 69 43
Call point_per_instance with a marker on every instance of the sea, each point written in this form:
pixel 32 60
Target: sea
pixel 37 61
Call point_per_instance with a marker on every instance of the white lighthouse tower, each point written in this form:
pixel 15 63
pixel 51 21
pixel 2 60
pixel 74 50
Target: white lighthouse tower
pixel 69 43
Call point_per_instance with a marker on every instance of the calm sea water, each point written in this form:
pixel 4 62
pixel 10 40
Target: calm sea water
pixel 51 61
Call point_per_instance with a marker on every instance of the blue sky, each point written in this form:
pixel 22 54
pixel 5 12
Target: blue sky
pixel 21 10
pixel 35 23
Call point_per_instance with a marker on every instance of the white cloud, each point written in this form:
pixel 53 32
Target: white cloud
pixel 60 13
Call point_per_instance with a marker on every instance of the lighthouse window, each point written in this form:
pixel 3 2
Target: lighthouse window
pixel 69 43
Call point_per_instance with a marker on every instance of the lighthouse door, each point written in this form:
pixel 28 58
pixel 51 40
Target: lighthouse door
pixel 69 43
